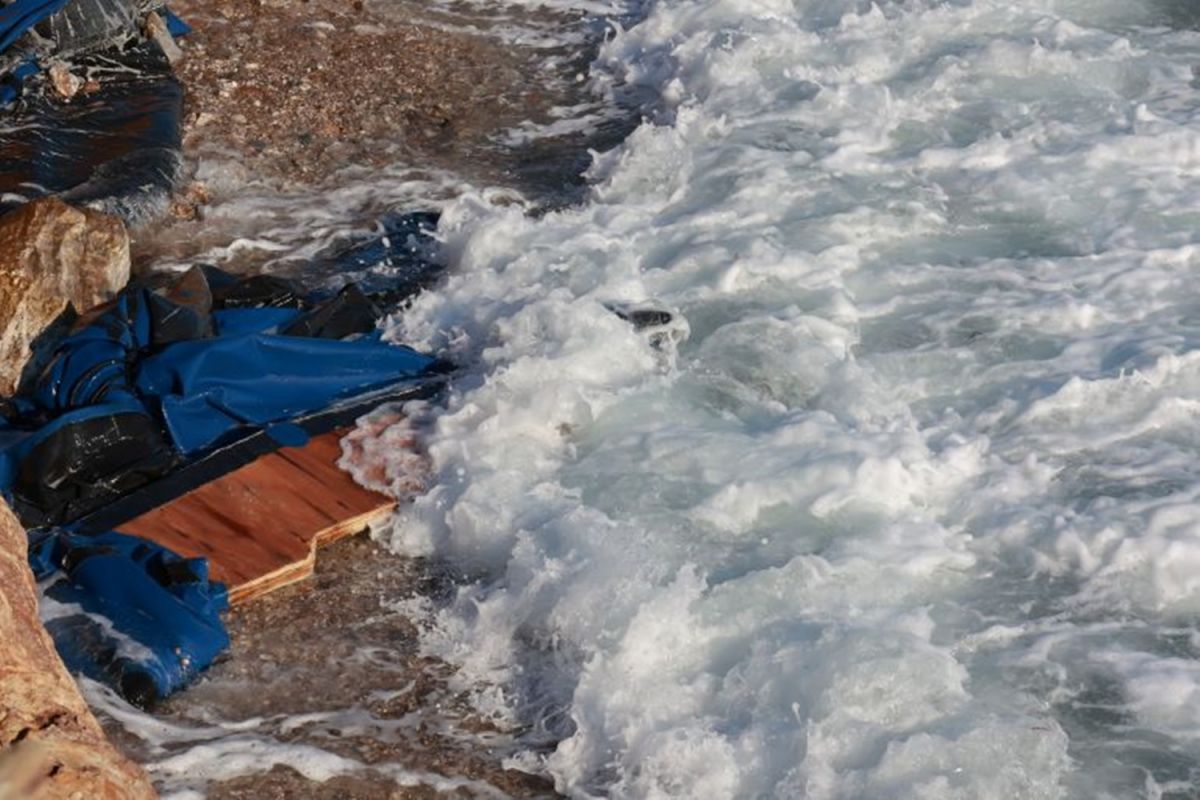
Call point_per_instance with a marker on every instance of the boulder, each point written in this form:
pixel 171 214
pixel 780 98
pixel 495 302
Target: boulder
pixel 50 744
pixel 53 255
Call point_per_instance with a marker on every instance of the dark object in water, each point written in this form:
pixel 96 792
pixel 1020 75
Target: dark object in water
pixel 34 32
pixel 116 150
pixel 115 145
pixel 393 264
pixel 83 25
pixel 643 318
pixel 663 329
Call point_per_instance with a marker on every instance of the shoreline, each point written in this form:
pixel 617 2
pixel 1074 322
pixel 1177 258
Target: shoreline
pixel 299 89
pixel 262 93
pixel 366 694
pixel 293 100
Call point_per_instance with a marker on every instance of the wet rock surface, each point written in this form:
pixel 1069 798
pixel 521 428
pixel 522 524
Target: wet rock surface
pixel 53 255
pixel 50 744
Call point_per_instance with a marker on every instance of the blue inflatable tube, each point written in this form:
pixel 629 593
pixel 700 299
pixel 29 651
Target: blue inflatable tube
pixel 140 618
pixel 19 17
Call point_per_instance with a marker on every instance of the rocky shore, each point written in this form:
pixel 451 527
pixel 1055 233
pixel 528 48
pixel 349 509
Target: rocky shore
pixel 299 90
pixel 292 92
pixel 50 743
pixel 285 99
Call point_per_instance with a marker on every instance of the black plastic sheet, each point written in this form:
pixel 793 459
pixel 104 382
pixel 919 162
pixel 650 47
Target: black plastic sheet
pixel 117 149
pixel 124 450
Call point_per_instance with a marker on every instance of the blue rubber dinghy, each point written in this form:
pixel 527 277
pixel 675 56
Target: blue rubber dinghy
pixel 19 17
pixel 153 383
pixel 185 377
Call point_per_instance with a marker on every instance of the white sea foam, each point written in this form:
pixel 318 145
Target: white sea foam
pixel 913 515
pixel 911 511
pixel 274 225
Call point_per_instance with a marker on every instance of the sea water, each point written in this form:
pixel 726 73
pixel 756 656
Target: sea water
pixel 905 501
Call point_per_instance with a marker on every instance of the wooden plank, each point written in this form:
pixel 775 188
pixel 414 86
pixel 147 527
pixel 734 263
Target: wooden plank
pixel 259 526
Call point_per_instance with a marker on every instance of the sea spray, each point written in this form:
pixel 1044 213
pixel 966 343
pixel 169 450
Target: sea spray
pixel 912 515
pixel 909 512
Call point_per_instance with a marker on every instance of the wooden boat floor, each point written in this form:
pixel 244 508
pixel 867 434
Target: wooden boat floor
pixel 259 525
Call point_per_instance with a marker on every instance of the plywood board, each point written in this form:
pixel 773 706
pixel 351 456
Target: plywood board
pixel 259 525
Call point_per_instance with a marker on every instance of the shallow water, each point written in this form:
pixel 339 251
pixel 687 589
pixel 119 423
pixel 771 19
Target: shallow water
pixel 325 692
pixel 912 510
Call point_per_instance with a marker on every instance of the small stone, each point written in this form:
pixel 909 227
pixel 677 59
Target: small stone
pixel 183 210
pixel 65 84
pixel 187 204
pixel 198 193
pixel 155 28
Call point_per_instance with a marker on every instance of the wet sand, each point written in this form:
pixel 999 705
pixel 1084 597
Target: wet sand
pixel 294 91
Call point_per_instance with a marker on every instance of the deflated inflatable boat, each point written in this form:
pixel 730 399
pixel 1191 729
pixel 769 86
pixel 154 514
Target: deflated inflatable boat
pixel 180 383
pixel 174 384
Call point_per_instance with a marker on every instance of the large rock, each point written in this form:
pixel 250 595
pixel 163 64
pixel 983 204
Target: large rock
pixel 52 255
pixel 50 744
